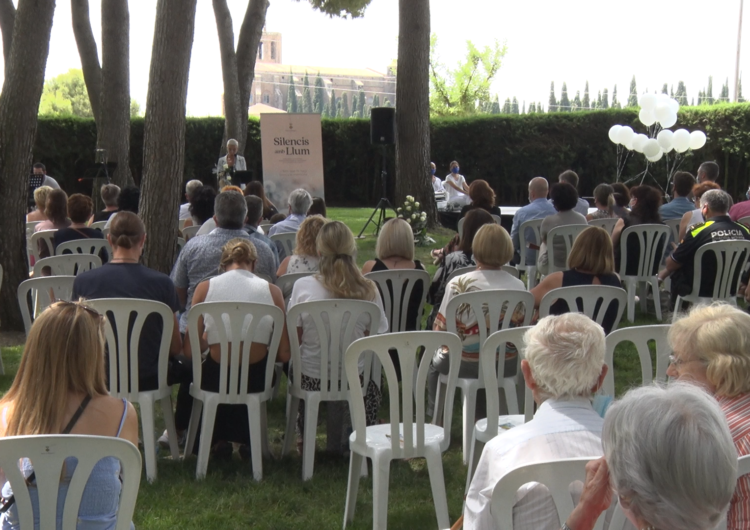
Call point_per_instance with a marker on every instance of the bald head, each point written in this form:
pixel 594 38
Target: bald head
pixel 538 188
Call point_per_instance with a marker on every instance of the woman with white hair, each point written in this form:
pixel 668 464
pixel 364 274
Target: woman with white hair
pixel 231 162
pixel 668 455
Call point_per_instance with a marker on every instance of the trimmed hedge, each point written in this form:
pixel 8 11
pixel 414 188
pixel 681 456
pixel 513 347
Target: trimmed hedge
pixel 505 150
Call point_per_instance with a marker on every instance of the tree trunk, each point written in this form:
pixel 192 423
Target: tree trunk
pixel 164 130
pixel 413 106
pixel 232 109
pixel 7 17
pixel 92 72
pixel 19 105
pixel 113 127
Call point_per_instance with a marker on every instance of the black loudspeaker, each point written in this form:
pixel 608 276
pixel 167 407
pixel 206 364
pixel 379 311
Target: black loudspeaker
pixel 383 125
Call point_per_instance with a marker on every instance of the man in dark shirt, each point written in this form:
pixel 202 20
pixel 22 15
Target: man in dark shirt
pixel 717 227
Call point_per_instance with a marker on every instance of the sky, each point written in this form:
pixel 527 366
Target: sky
pixel 604 42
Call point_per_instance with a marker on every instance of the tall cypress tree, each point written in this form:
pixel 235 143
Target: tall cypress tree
pixel 681 94
pixel 564 101
pixel 599 100
pixel 710 91
pixel 576 101
pixel 514 106
pixel 496 105
pixel 740 99
pixel 615 102
pixel 339 109
pixel 320 95
pixel 333 104
pixel 355 104
pixel 724 97
pixel 291 100
pixel 605 99
pixel 523 110
pixel 506 106
pixel 552 98
pixel 362 103
pixel 665 89
pixel 532 107
pixel 346 113
pixel 671 91
pixel 586 101
pixel 376 100
pixel 633 94
pixel 307 106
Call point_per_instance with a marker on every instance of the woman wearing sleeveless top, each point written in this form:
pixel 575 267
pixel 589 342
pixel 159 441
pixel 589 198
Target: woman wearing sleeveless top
pixel 604 200
pixel 695 217
pixel 591 262
pixel 64 354
pixel 305 257
pixel 237 283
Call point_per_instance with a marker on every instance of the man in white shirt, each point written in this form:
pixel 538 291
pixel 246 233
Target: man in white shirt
pixel 437 184
pixel 563 366
pixel 190 188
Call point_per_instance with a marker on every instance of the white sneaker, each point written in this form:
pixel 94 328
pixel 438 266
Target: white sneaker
pixel 163 440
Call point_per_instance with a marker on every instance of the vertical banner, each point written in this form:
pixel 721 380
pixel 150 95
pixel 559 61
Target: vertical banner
pixel 292 148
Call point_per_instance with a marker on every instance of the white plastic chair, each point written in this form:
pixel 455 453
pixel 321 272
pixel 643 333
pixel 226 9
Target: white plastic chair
pixel 496 301
pixel 122 349
pixel 396 288
pixel 45 291
pixel 99 225
pixel 47 454
pixel 45 236
pixel 568 233
pixel 607 224
pixel 181 224
pixel 652 240
pixel 265 227
pixel 513 271
pixel 639 336
pixel 233 315
pixel 557 475
pixel 406 435
pixel 91 245
pixel 744 220
pixel 595 299
pixel 288 240
pixel 105 232
pixel 30 227
pixel 731 258
pixel 674 226
pixel 67 265
pixel 335 322
pixel 460 272
pixel 535 225
pixel 286 283
pixel 190 231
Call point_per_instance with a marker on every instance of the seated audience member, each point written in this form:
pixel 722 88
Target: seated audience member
pixel 571 177
pixel 695 217
pixel 456 189
pixel 318 207
pixel 718 227
pixel 669 459
pixel 708 172
pixel 682 185
pixel 201 207
pixel 482 196
pixel 256 188
pixel 299 202
pixel 125 277
pixel 40 199
pixel 305 257
pixel 79 211
pixel 190 188
pixel 492 248
pixel 538 208
pixel 644 210
pixel 277 218
pixel 437 184
pixel 458 259
pixel 591 262
pixel 254 217
pixel 128 200
pixel 199 258
pixel 236 283
pixel 210 224
pixel 338 277
pixel 563 366
pixel 109 194
pixel 741 209
pixel 604 201
pixel 564 198
pixel 65 350
pixel 622 199
pixel 56 211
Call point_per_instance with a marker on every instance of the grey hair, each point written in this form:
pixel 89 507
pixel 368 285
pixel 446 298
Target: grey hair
pixel 191 186
pixel 232 141
pixel 718 201
pixel 110 193
pixel 230 210
pixel 300 201
pixel 671 457
pixel 566 355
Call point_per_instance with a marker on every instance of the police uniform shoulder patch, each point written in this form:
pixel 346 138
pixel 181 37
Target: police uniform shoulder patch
pixel 697 228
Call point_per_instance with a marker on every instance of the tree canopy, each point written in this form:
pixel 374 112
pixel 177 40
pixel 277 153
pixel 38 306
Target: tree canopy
pixel 66 94
pixel 341 8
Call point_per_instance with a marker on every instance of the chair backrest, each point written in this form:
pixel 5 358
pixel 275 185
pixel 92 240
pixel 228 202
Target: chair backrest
pixel 513 271
pixel 47 454
pixel 674 226
pixel 30 227
pixel 125 320
pixel 105 232
pixel 497 307
pixel 181 224
pixel 595 300
pixel 266 227
pixel 536 226
pixel 744 220
pixel 92 245
pixel 288 239
pixel 498 219
pixel 190 231
pixel 47 290
pixel 557 475
pixel 67 265
pixel 396 288
pixel 47 238
pixel 99 225
pixel 406 421
pixel 567 234
pixel 731 258
pixel 652 240
pixel 286 283
pixel 459 272
pixel 234 316
pixel 335 324
pixel 607 224
pixel 639 336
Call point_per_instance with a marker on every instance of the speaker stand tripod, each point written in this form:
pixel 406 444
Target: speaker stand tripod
pixel 383 204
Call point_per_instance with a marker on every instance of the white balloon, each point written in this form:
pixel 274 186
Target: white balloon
pixel 647 101
pixel 665 139
pixel 662 99
pixel 656 157
pixel 651 148
pixel 613 132
pixel 681 140
pixel 639 141
pixel 626 135
pixel 697 139
pixel 670 120
pixel 647 117
pixel 674 105
pixel 662 112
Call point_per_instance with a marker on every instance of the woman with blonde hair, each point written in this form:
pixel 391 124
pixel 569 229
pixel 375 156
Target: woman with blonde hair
pixel 61 387
pixel 236 283
pixel 40 199
pixel 338 277
pixel 305 256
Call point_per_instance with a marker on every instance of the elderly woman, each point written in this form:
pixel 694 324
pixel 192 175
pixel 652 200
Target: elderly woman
pixel 109 194
pixel 305 257
pixel 604 200
pixel 40 199
pixel 564 198
pixel 231 162
pixel 711 348
pixel 694 217
pixel 482 196
pixel 669 457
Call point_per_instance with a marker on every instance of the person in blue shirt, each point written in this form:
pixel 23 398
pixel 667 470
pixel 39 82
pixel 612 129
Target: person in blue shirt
pixel 571 177
pixel 680 204
pixel 538 208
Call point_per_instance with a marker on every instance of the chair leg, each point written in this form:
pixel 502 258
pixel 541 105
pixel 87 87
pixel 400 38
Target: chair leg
pixel 470 410
pixel 511 398
pixel 195 418
pixel 308 445
pixel 166 408
pixel 657 298
pixel 381 471
pixel 149 441
pixel 256 449
pixel 291 417
pixel 476 453
pixel 207 431
pixel 355 463
pixel 264 430
pixel 643 288
pixel 437 481
pixel 631 301
pixel 677 307
pixel 437 412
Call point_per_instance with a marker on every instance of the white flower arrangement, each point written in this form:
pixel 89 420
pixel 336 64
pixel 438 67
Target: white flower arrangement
pixel 417 219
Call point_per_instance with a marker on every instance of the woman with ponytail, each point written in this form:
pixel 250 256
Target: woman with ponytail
pixel 338 277
pixel 604 200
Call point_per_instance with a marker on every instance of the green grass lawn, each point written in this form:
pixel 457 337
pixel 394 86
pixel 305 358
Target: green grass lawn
pixel 229 498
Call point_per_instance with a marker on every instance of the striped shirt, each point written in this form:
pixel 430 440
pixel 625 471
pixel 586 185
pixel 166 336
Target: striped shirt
pixel 737 411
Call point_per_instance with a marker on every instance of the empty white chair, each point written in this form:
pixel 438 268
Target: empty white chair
pixel 47 454
pixel 731 258
pixel 594 300
pixel 85 246
pixel 233 389
pixel 606 224
pixel 123 342
pixel 396 287
pixel 459 272
pixel 406 435
pixel 566 233
pixel 335 322
pixel 640 337
pixel 286 282
pixel 67 265
pixel 99 225
pixel 288 240
pixel 190 231
pixel 557 475
pixel 45 291
pixel 535 225
pixel 43 237
pixel 652 243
